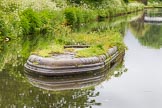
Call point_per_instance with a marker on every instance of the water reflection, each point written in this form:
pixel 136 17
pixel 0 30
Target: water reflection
pixel 156 12
pixel 117 23
pixel 148 34
pixel 65 83
pixel 153 16
pixel 79 81
pixel 17 92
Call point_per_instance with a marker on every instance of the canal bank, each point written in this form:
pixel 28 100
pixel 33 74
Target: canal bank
pixel 135 83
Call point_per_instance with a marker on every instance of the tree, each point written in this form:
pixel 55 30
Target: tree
pixel 144 2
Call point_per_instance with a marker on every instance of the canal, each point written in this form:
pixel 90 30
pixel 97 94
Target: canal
pixel 134 82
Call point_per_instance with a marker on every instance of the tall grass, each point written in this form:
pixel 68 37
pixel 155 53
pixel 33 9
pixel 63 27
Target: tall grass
pixel 24 19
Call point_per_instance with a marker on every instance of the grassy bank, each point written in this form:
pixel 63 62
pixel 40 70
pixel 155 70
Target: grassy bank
pixel 23 19
pixel 154 3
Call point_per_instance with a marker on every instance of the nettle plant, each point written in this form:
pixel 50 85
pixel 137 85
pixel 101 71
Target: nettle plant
pixel 2 28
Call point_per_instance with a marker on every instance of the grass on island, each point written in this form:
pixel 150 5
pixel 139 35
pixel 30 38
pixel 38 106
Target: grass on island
pixel 99 44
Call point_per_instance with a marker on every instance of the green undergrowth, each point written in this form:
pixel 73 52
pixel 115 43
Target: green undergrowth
pixel 89 52
pixel 21 18
pixel 49 50
pixel 99 44
pixel 154 3
pixel 26 20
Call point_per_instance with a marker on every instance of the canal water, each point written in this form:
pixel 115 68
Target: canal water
pixel 135 82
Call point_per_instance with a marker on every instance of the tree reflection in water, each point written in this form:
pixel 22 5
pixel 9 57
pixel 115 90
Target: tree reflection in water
pixel 148 34
pixel 19 93
pixel 16 91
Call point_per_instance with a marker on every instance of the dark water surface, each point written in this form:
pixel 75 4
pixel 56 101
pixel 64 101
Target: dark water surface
pixel 134 83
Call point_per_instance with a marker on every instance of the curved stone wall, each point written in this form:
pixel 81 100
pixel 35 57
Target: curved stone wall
pixel 56 67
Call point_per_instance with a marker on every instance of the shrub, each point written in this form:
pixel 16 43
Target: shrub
pixel 77 15
pixel 70 16
pixel 3 31
pixel 126 1
pixel 30 21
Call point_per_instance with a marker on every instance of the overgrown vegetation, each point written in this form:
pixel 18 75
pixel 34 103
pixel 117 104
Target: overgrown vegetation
pixel 26 20
pixel 99 44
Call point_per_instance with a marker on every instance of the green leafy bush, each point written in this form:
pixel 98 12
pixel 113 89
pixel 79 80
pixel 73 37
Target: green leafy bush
pixel 77 15
pixel 3 31
pixel 70 16
pixel 30 21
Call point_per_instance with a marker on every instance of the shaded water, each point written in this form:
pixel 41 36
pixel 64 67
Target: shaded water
pixel 135 83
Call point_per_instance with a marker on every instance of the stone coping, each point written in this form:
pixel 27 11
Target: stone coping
pixel 55 67
pixel 71 82
pixel 51 62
